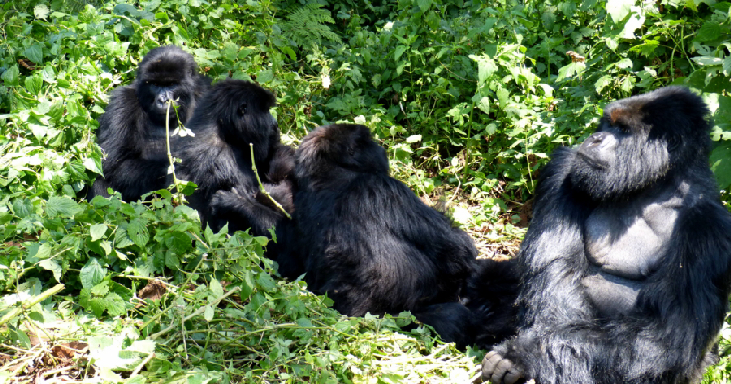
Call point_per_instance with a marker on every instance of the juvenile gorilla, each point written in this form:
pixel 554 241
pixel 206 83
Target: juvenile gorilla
pixel 218 159
pixel 132 129
pixel 486 313
pixel 625 267
pixel 363 237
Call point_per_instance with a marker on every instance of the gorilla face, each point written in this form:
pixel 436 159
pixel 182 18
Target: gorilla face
pixel 617 160
pixel 167 74
pixel 241 111
pixel 640 141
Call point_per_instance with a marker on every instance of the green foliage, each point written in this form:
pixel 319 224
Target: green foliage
pixel 466 96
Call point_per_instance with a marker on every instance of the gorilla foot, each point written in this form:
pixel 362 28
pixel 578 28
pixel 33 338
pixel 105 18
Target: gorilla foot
pixel 499 370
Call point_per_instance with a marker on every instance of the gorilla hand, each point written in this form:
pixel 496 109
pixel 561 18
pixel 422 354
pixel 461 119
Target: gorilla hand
pixel 499 370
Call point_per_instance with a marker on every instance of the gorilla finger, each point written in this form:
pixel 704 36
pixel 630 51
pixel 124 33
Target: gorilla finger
pixel 489 364
pixel 512 377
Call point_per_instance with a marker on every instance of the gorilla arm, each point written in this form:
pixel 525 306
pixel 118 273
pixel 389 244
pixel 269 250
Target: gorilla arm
pixel 129 159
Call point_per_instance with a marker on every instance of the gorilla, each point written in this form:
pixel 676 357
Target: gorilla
pixel 367 241
pixel 486 313
pixel 625 267
pixel 132 129
pixel 233 115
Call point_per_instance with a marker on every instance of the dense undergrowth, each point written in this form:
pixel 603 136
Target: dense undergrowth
pixel 468 97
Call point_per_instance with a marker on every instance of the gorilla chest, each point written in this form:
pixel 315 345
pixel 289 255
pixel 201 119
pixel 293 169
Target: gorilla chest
pixel 624 246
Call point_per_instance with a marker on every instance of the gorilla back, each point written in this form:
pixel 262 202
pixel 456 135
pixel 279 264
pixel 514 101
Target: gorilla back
pixel 625 267
pixel 364 237
pixel 132 129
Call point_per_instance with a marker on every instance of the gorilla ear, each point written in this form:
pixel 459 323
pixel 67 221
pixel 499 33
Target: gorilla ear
pixel 243 107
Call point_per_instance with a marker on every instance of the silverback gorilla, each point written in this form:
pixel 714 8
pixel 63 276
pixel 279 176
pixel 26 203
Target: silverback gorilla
pixel 363 237
pixel 132 129
pixel 625 267
pixel 232 115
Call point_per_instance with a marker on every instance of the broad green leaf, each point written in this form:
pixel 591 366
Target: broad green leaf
pixel 10 77
pixel 92 273
pixel 137 232
pixel 721 165
pixel 619 9
pixel 399 51
pixel 100 289
pixel 216 288
pixel 62 206
pixel 710 31
pixel 424 4
pixel 34 53
pixel 208 313
pixel 97 231
pixel 708 60
pixel 115 305
pixel 53 266
pixel 265 76
pixel 484 104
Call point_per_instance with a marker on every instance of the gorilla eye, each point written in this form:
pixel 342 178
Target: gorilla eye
pixel 242 109
pixel 623 128
pixel 673 143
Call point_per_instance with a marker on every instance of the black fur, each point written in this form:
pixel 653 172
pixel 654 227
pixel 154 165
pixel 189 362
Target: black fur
pixel 486 313
pixel 363 237
pixel 218 159
pixel 625 267
pixel 132 129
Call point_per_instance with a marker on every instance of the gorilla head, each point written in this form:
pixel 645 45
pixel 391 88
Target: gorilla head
pixel 641 141
pixel 240 110
pixel 333 152
pixel 167 73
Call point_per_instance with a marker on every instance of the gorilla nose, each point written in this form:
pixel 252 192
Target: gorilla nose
pixel 163 98
pixel 596 138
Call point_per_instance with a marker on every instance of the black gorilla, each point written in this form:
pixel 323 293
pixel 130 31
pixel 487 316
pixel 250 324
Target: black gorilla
pixel 363 237
pixel 233 114
pixel 132 129
pixel 625 267
pixel 486 313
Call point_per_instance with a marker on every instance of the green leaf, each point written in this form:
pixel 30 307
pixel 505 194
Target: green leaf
pixel 137 232
pixel 265 76
pixel 721 165
pixel 266 282
pixel 10 77
pixel 208 313
pixel 53 266
pixel 92 273
pixel 424 4
pixel 708 60
pixel 115 305
pixel 97 231
pixel 34 53
pixel 619 9
pixel 216 288
pixel 710 31
pixel 399 51
pixel 62 206
pixel 121 239
pixel 100 289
